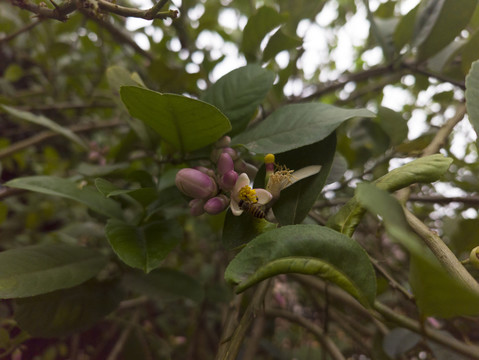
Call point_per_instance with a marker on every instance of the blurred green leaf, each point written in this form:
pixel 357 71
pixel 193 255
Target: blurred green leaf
pixel 426 169
pixel 68 189
pixel 404 30
pixel 45 122
pixel 239 93
pixel 165 284
pixel 294 126
pixel 64 312
pixel 470 52
pixel 296 200
pixel 14 72
pixel 39 269
pixel 439 22
pixel 393 124
pixel 259 24
pixel 472 94
pixel 183 122
pixel 305 249
pixel 142 247
pixel 399 341
pixel 437 293
pixel 278 42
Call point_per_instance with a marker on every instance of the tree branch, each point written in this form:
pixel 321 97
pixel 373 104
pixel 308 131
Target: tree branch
pixel 325 340
pixel 61 12
pixel 21 31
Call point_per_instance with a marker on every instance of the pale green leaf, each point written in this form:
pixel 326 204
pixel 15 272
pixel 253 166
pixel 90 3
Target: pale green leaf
pixel 40 269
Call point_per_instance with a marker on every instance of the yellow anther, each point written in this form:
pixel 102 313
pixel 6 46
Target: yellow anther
pixel 246 193
pixel 269 159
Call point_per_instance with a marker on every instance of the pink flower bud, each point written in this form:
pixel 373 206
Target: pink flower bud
pixel 228 180
pixel 196 207
pixel 216 205
pixel 215 154
pixel 223 142
pixel 231 152
pixel 225 164
pixel 205 170
pixel 195 184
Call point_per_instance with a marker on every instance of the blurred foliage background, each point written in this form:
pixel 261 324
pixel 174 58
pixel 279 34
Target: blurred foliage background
pixel 344 52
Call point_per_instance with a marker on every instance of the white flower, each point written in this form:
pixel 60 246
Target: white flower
pixel 242 191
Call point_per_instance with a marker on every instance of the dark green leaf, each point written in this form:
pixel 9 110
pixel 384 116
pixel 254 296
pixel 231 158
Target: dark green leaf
pixel 166 284
pixel 296 125
pixel 68 189
pixel 64 312
pixel 393 124
pixel 296 200
pixel 40 269
pixel 278 42
pixel 239 230
pixel 142 247
pixel 472 94
pixel 239 93
pixel 439 22
pixel 405 29
pixel 470 52
pixel 259 24
pixel 183 122
pixel 306 249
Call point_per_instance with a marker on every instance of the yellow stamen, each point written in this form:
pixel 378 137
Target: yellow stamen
pixel 246 193
pixel 269 159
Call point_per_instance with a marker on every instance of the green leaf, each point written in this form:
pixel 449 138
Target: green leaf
pixel 239 93
pixel 185 123
pixel 426 169
pixel 142 247
pixel 259 24
pixel 393 124
pixel 166 284
pixel 296 200
pixel 439 22
pixel 423 170
pixel 405 29
pixel 294 126
pixel 437 293
pixel 398 341
pixel 68 189
pixel 118 77
pixel 45 122
pixel 40 269
pixel 13 72
pixel 100 170
pixel 64 312
pixel 239 230
pixel 305 249
pixel 470 52
pixel 278 42
pixel 472 94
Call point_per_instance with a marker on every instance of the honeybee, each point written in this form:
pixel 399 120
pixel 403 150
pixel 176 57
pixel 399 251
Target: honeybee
pixel 253 209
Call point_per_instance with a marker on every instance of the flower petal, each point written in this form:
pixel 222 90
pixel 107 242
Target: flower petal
pixel 235 209
pixel 304 173
pixel 264 196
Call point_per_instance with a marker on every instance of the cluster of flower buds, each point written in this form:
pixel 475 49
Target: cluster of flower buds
pixel 212 191
pixel 208 187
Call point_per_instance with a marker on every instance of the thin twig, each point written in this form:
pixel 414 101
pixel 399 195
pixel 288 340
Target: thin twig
pixel 45 135
pixel 324 339
pixel 392 282
pixel 20 31
pixel 231 343
pixel 442 252
pixel 116 351
pixel 149 14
